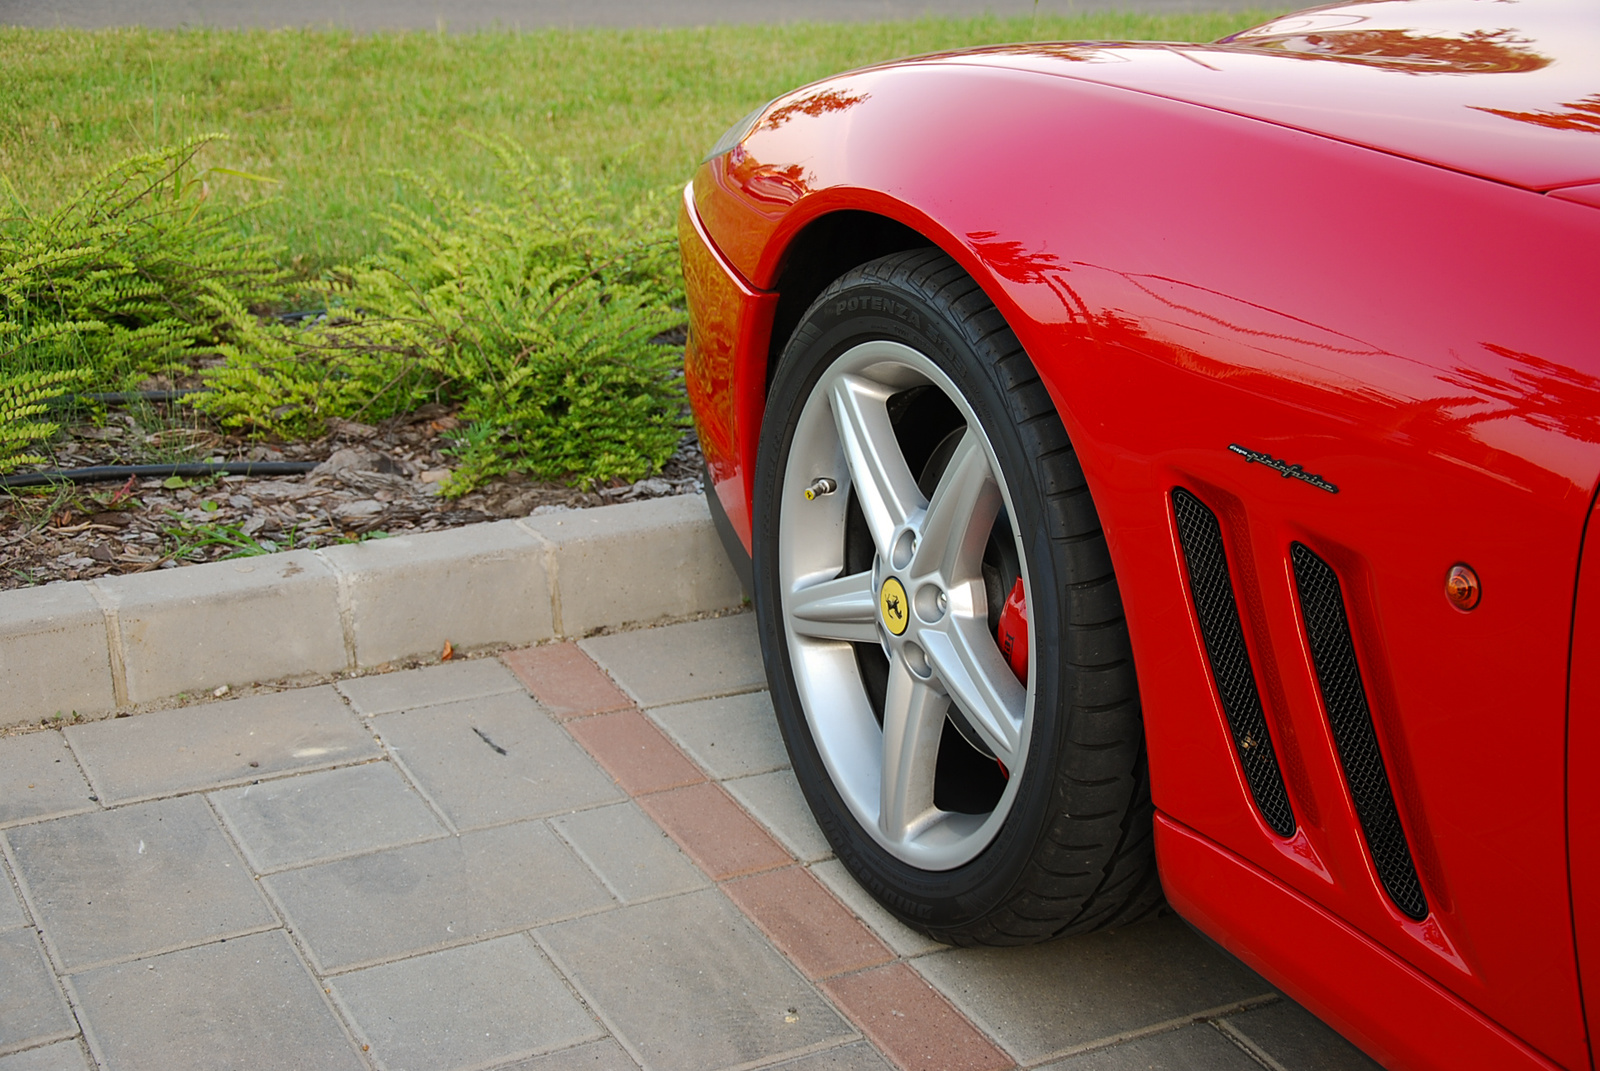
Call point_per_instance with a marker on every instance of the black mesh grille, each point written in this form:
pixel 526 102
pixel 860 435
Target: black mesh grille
pixel 1201 538
pixel 1339 676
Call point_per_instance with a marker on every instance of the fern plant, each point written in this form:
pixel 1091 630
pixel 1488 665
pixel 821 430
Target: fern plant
pixel 121 280
pixel 532 313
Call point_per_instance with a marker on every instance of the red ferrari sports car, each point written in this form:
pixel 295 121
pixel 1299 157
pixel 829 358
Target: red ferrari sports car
pixel 1163 472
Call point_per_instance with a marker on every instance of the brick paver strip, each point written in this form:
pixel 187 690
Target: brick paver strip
pixel 912 1023
pixel 714 831
pixel 634 752
pixel 807 923
pixel 565 680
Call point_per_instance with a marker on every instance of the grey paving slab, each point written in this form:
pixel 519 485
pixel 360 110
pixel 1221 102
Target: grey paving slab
pixel 32 1010
pixel 240 1005
pixel 10 907
pixel 604 1055
pixel 39 778
pixel 493 760
pixel 1048 998
pixel 1297 1039
pixel 384 693
pixel 679 663
pixel 630 853
pixel 465 1007
pixel 169 751
pixel 902 939
pixel 380 906
pixel 298 820
pixel 858 1057
pixel 134 881
pixel 62 1056
pixel 734 736
pixel 776 802
pixel 1193 1048
pixel 688 983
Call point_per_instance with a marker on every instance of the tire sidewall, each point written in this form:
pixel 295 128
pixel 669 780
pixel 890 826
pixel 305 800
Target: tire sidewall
pixel 864 307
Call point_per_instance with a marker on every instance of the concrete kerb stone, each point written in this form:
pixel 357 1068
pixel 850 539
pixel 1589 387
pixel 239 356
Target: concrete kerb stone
pixel 118 643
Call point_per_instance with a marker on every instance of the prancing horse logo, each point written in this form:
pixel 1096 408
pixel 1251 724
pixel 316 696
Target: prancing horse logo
pixel 892 604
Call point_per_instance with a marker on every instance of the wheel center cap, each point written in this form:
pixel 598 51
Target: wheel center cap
pixel 892 605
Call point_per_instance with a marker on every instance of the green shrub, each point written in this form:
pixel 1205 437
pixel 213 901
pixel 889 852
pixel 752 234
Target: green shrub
pixel 119 282
pixel 529 312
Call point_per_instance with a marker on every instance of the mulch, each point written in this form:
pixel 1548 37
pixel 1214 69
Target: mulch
pixel 371 480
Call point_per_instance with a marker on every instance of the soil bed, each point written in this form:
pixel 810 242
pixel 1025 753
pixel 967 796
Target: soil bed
pixel 371 481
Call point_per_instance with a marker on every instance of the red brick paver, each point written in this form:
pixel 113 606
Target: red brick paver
pixel 807 923
pixel 912 1023
pixel 634 752
pixel 565 680
pixel 714 831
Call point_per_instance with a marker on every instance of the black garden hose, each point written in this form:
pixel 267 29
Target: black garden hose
pixel 103 473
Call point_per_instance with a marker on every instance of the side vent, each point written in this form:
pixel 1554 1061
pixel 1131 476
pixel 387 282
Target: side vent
pixel 1201 538
pixel 1345 699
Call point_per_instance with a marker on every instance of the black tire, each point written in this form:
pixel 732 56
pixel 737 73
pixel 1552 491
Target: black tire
pixel 1073 849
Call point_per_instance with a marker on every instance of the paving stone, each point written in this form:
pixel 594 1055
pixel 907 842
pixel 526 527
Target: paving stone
pixel 687 983
pixel 168 751
pixel 1194 1048
pixel 634 752
pixel 630 853
pixel 375 907
pixel 383 693
pixel 912 1023
pixel 565 681
pixel 229 622
pixel 807 924
pixel 604 1055
pixel 32 1010
pixel 41 779
pixel 58 632
pixel 858 1057
pixel 897 935
pixel 493 760
pixel 1297 1039
pixel 239 1005
pixel 776 802
pixel 730 737
pixel 316 816
pixel 484 584
pixel 10 907
pixel 134 881
pixel 1040 1000
pixel 640 562
pixel 714 832
pixel 679 663
pixel 465 1007
pixel 62 1056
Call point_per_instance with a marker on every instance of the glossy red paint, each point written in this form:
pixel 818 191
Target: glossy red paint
pixel 1266 925
pixel 1583 757
pixel 730 319
pixel 1190 274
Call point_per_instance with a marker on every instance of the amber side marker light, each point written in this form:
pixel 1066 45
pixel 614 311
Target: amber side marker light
pixel 1462 587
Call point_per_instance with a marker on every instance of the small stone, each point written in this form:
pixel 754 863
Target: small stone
pixel 434 475
pixel 218 693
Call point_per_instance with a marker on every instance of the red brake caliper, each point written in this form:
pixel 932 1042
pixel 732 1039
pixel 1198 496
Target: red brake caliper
pixel 1012 635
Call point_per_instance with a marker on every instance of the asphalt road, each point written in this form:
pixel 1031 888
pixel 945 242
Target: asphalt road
pixel 464 15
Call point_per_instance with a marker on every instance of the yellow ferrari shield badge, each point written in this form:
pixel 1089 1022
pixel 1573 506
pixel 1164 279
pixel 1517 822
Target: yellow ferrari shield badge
pixel 892 604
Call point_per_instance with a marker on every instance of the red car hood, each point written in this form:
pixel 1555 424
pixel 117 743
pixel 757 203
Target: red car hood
pixel 1505 89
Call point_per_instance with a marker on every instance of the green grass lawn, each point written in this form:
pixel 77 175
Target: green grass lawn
pixel 328 113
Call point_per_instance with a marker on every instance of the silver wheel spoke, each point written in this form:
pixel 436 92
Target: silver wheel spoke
pixel 967 662
pixel 883 483
pixel 842 609
pixel 960 516
pixel 913 721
